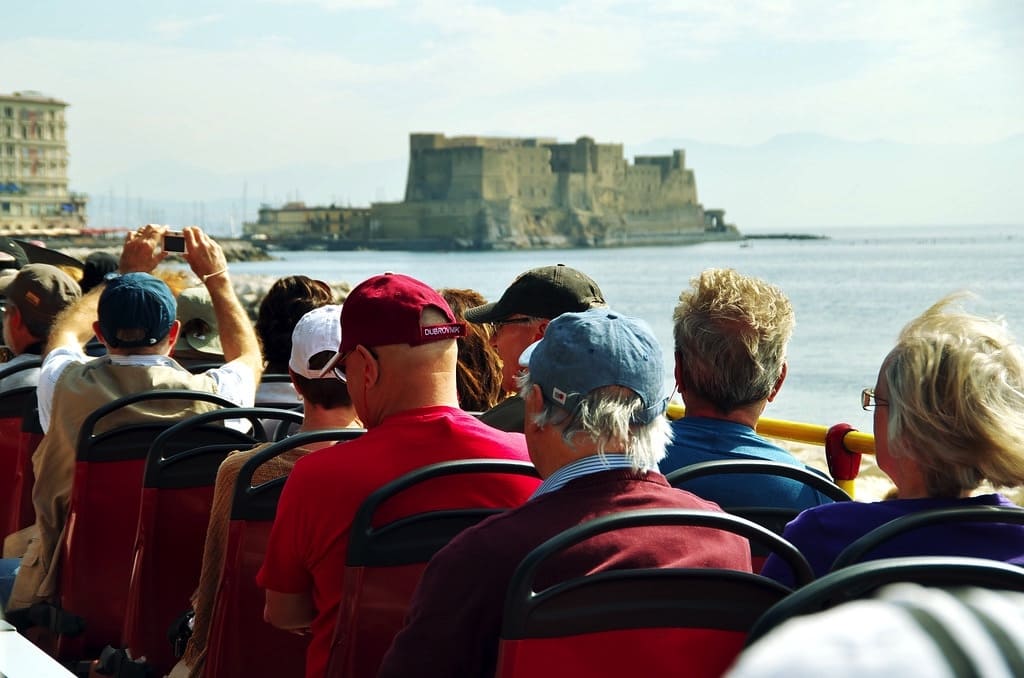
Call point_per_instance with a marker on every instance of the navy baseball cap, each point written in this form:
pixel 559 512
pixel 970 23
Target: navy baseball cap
pixel 136 301
pixel 581 352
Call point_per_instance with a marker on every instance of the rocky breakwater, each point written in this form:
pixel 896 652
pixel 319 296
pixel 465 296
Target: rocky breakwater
pixel 234 250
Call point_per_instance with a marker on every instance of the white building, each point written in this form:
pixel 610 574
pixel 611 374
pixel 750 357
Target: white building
pixel 34 196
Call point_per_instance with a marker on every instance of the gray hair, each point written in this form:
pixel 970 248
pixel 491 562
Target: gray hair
pixel 956 400
pixel 604 415
pixel 731 333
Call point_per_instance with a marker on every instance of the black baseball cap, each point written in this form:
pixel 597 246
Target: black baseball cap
pixel 545 292
pixel 11 254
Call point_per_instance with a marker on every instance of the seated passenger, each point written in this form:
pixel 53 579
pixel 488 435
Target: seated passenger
pixel 947 405
pixel 398 356
pixel 520 317
pixel 199 340
pixel 287 300
pixel 731 333
pixel 479 370
pixel 133 315
pixel 96 266
pixel 34 297
pixel 595 428
pixel 328 405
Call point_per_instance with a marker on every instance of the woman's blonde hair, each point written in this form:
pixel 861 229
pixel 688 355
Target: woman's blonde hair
pixel 956 399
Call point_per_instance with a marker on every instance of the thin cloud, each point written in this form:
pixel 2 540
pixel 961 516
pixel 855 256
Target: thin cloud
pixel 174 28
pixel 337 5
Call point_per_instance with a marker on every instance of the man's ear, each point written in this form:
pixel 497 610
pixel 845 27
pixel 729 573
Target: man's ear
pixel 372 369
pixel 534 403
pixel 778 382
pixel 680 379
pixel 173 333
pixel 98 332
pixel 542 327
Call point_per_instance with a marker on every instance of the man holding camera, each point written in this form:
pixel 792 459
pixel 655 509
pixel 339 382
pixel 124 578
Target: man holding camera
pixel 133 315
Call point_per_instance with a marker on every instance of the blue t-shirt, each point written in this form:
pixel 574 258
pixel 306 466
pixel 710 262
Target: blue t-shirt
pixel 822 533
pixel 697 439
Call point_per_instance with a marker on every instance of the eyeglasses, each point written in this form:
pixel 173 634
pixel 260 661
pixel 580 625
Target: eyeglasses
pixel 869 401
pixel 339 366
pixel 498 324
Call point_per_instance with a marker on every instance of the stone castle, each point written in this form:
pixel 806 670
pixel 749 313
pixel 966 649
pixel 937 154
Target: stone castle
pixel 506 193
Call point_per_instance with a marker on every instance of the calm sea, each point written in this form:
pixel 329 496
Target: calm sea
pixel 852 292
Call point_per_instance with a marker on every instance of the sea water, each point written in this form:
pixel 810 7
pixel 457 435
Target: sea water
pixel 851 292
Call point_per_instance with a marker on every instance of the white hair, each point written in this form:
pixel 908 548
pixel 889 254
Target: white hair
pixel 606 415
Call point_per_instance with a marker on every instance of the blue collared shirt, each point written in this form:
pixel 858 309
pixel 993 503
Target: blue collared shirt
pixel 582 467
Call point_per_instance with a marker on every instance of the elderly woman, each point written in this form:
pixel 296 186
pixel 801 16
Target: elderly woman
pixel 949 414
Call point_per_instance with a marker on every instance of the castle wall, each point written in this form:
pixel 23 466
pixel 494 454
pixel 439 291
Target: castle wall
pixel 508 192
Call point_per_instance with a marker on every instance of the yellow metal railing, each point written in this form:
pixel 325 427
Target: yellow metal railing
pixel 799 432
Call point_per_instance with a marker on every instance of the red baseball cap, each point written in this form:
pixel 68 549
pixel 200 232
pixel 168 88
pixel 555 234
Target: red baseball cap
pixel 386 309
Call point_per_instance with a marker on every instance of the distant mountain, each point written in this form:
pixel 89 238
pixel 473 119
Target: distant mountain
pixel 790 182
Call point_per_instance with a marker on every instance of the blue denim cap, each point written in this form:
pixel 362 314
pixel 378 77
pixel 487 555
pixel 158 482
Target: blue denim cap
pixel 136 301
pixel 600 347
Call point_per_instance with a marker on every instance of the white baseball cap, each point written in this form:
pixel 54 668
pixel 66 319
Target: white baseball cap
pixel 316 332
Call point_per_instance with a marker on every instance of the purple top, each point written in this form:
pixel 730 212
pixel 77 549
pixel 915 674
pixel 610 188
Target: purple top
pixel 822 532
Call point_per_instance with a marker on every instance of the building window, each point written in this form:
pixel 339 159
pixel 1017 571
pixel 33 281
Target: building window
pixel 8 112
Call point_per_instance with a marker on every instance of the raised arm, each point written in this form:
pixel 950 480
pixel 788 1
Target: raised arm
pixel 73 326
pixel 237 336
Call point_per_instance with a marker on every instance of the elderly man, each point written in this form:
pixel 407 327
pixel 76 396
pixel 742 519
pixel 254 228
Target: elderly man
pixel 595 429
pixel 520 317
pixel 398 355
pixel 133 316
pixel 731 333
pixel 34 298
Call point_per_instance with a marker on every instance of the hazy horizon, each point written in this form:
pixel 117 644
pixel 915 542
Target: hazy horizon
pixel 792 114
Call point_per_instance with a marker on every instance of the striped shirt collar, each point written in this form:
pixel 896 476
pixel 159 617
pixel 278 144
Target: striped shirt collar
pixel 582 467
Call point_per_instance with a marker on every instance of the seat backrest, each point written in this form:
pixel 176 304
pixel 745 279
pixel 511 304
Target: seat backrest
pixel 860 580
pixel 674 621
pixel 945 517
pixel 240 643
pixel 177 495
pixel 772 517
pixel 18 441
pixel 96 553
pixel 384 564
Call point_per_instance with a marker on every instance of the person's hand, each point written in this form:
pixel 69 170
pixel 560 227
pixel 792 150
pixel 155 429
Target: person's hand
pixel 143 249
pixel 204 256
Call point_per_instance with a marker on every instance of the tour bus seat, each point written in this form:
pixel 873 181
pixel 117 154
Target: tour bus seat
pixel 772 517
pixel 240 643
pixel 177 495
pixel 384 563
pixel 980 517
pixel 96 553
pixel 674 621
pixel 860 580
pixel 19 436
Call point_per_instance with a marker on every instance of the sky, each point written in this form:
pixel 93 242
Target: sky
pixel 240 88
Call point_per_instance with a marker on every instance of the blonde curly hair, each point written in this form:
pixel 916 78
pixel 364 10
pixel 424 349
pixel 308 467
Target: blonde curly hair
pixel 731 333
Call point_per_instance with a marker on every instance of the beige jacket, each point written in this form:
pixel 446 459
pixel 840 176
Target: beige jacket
pixel 80 389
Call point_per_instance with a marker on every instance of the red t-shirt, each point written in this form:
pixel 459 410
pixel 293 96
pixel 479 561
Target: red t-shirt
pixel 309 539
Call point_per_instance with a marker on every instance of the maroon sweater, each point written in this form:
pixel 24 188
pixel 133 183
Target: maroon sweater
pixel 455 618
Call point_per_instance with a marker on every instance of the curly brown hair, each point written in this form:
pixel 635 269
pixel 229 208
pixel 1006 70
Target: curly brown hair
pixel 478 375
pixel 286 301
